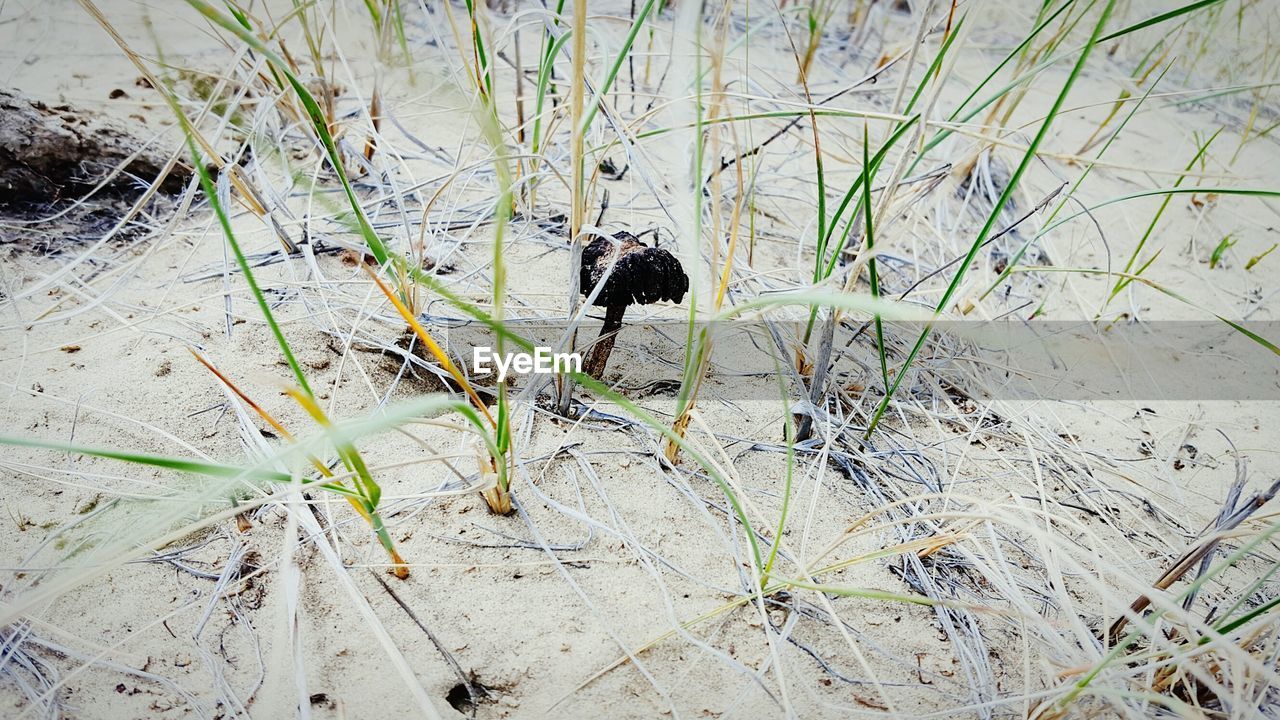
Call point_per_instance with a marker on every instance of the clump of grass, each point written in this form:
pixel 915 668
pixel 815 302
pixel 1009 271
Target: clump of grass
pixel 367 492
pixel 816 16
pixel 497 496
pixel 995 213
pixel 1121 284
pixel 983 565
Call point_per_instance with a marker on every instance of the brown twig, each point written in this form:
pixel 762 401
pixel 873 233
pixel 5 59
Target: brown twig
pixel 1194 555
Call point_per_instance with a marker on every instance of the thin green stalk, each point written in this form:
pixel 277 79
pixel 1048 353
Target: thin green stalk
pixel 1017 256
pixel 871 269
pixel 211 192
pixel 545 71
pixel 789 439
pixel 1155 220
pixel 484 74
pixel 1157 19
pixel 693 354
pixel 502 215
pixel 824 265
pixel 996 210
pixel 860 184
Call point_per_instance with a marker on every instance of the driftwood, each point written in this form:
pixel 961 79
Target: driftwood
pixel 55 152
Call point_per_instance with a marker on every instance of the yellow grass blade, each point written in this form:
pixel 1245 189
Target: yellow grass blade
pixel 434 348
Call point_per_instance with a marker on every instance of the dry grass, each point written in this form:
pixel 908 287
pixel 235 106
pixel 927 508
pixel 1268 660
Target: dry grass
pixel 862 521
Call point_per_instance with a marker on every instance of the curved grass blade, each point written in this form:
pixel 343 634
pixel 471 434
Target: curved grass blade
pixel 1157 19
pixel 998 208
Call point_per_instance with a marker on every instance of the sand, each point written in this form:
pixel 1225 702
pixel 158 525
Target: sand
pixel 618 589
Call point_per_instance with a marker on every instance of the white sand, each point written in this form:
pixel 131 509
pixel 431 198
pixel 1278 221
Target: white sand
pixel 638 549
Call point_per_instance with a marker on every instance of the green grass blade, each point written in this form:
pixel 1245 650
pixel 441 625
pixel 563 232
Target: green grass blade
pixel 1017 256
pixel 1157 19
pixel 618 60
pixel 195 467
pixel 206 183
pixel 863 181
pixel 998 208
pixel 872 271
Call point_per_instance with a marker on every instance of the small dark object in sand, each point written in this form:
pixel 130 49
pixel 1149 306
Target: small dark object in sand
pixel 56 152
pixel 642 275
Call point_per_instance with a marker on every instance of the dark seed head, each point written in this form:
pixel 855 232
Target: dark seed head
pixel 642 275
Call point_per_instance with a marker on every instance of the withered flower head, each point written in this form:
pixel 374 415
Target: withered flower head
pixel 641 275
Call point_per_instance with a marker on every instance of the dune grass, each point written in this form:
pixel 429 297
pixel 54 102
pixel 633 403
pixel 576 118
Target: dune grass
pixel 872 473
